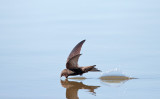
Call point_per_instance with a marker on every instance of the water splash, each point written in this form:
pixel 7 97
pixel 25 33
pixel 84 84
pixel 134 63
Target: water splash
pixel 114 77
pixel 113 72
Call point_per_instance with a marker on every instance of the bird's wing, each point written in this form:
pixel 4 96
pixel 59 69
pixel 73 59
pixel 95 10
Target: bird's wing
pixel 76 50
pixel 73 62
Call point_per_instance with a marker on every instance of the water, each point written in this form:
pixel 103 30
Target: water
pixel 37 36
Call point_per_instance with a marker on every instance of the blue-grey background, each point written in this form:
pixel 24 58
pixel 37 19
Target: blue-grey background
pixel 36 37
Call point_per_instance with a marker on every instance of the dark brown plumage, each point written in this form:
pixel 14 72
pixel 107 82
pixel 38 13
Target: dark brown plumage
pixel 72 67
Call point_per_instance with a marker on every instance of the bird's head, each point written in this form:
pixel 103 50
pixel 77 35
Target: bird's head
pixel 64 73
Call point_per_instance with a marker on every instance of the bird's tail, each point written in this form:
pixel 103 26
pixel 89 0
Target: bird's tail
pixel 95 69
pixel 90 68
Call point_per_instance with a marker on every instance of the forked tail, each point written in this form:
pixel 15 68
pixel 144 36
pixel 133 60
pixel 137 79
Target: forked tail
pixel 95 69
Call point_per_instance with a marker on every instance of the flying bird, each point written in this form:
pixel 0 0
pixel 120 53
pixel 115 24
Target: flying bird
pixel 72 67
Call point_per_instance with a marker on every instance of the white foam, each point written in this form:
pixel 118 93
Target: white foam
pixel 113 72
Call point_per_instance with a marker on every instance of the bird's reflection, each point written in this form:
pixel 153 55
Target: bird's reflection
pixel 72 88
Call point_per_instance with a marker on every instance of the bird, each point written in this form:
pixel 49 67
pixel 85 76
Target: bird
pixel 72 67
pixel 72 88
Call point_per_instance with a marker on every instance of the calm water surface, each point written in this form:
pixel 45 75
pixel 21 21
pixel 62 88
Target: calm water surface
pixel 37 36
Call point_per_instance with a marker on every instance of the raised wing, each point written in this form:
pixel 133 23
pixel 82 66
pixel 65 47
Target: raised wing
pixel 76 50
pixel 73 62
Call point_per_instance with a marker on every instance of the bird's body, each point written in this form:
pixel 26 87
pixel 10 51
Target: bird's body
pixel 72 63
